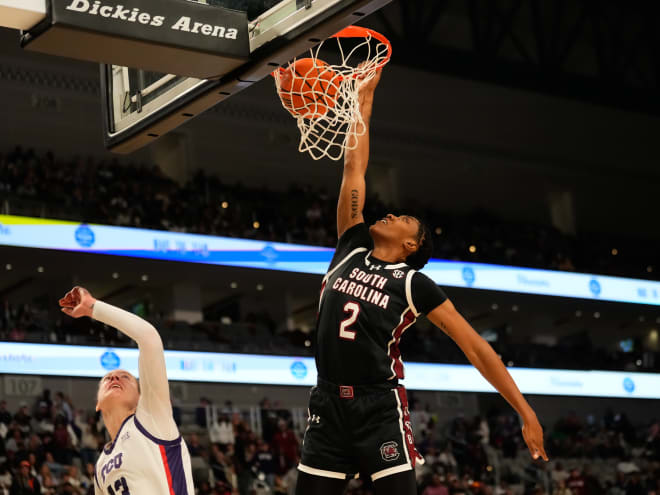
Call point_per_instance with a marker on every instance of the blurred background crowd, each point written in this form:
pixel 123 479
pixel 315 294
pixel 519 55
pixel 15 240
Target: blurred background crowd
pixel 49 447
pixel 140 195
pixel 259 333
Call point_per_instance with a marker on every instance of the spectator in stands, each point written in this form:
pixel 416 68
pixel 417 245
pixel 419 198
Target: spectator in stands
pixel 88 438
pixel 23 418
pixel 285 447
pixel 559 473
pixel 575 482
pixel 54 468
pixel 62 407
pixel 5 478
pixel 482 430
pixel 437 486
pixel 43 401
pixel 24 483
pixel 5 416
pixel 219 465
pixel 222 431
pixel 87 479
pixel 15 442
pixel 447 460
pixel 194 446
pixel 62 443
pixel 562 489
pixel 266 461
pixel 200 412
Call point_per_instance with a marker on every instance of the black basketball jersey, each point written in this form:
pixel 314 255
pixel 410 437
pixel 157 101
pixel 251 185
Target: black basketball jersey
pixel 365 307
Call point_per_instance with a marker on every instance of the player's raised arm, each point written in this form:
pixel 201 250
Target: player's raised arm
pixel 485 359
pixel 356 159
pixel 154 406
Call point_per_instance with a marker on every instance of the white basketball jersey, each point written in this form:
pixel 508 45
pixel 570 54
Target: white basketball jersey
pixel 137 463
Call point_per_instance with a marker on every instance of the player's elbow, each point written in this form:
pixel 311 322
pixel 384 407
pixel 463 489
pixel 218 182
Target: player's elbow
pixel 151 338
pixel 353 163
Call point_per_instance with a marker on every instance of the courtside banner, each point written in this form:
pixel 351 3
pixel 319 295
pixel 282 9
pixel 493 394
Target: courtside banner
pixel 144 34
pixel 65 360
pixel 193 248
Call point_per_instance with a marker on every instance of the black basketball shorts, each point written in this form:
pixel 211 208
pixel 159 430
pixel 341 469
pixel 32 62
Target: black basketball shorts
pixel 358 430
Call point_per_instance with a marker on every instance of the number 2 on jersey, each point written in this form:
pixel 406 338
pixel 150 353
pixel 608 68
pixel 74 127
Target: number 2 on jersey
pixel 354 309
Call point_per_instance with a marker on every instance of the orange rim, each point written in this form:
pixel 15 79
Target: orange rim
pixel 357 32
pixel 362 32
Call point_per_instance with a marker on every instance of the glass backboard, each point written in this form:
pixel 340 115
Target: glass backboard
pixel 140 106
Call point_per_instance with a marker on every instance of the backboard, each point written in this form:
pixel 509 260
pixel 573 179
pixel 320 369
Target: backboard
pixel 140 106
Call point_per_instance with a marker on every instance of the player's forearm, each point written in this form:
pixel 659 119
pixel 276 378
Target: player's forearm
pixel 356 158
pixel 129 324
pixel 484 358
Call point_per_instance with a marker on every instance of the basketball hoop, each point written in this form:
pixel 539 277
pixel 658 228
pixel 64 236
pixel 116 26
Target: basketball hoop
pixel 322 94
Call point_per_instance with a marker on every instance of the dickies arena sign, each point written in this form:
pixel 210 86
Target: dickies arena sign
pixel 169 36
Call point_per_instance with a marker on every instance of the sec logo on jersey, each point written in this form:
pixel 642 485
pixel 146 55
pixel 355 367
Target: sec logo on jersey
pixel 398 274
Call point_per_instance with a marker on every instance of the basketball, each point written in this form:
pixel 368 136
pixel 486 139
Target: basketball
pixel 308 88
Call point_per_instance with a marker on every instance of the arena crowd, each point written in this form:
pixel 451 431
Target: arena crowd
pixel 88 190
pixel 49 447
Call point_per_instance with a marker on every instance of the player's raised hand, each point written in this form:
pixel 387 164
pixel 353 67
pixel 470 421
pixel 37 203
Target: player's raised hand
pixel 369 85
pixel 533 435
pixel 77 302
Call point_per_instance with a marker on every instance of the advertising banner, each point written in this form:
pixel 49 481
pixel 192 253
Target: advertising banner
pixel 64 360
pixel 229 251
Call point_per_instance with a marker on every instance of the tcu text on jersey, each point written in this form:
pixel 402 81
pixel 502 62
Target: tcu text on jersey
pixel 113 463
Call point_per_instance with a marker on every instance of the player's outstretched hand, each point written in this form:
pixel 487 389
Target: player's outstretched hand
pixel 77 302
pixel 533 435
pixel 369 85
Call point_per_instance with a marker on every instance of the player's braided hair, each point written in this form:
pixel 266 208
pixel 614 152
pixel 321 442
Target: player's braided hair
pixel 419 258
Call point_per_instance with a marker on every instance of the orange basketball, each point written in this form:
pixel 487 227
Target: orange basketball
pixel 308 87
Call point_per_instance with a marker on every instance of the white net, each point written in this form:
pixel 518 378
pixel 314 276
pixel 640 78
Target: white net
pixel 323 96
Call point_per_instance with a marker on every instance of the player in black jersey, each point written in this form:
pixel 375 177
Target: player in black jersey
pixel 358 413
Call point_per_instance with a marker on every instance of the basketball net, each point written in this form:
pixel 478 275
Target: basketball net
pixel 331 120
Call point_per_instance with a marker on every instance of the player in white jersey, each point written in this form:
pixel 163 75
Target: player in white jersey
pixel 146 454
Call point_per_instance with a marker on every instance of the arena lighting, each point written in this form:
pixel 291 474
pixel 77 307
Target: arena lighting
pixel 144 278
pixel 615 251
pixel 8 266
pixel 174 246
pixel 40 269
pixel 115 275
pixel 83 361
